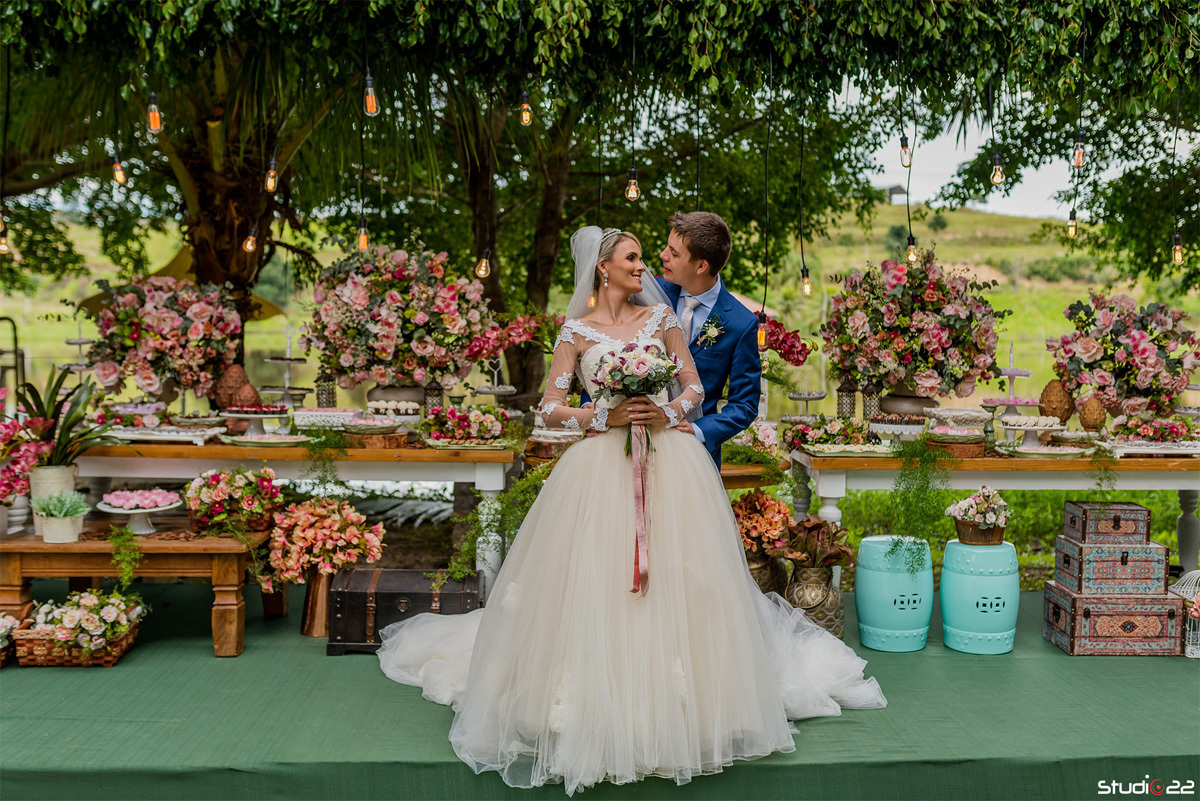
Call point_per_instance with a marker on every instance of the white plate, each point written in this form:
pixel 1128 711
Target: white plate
pixel 116 510
pixel 269 443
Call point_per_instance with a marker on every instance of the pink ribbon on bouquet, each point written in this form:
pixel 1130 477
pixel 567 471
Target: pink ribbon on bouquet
pixel 641 557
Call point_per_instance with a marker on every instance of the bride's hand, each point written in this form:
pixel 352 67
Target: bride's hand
pixel 619 415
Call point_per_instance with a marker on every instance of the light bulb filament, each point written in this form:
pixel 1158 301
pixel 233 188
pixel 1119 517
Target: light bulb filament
pixel 272 179
pixel 118 170
pixel 526 109
pixel 905 153
pixel 483 268
pixel 370 102
pixel 1072 227
pixel 1177 251
pixel 632 191
pixel 252 240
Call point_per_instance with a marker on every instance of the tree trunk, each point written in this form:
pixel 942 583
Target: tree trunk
pixel 478 159
pixel 527 365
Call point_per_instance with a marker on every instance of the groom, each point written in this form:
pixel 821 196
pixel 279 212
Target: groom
pixel 722 333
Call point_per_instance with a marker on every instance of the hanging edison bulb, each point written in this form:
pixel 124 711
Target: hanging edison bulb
pixel 632 192
pixel 1177 251
pixel 483 268
pixel 1072 226
pixel 905 153
pixel 806 282
pixel 118 170
pixel 251 241
pixel 1077 153
pixel 762 331
pixel 361 243
pixel 370 102
pixel 591 301
pixel 997 170
pixel 526 109
pixel 5 248
pixel 153 115
pixel 272 179
pixel 911 253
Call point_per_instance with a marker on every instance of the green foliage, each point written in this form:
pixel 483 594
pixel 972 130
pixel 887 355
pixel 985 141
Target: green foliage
pixel 64 504
pixel 126 554
pixel 938 222
pixel 69 430
pixel 322 450
pixel 1067 268
pixel 919 499
pixel 42 240
pixel 773 474
pixel 494 522
pixel 896 239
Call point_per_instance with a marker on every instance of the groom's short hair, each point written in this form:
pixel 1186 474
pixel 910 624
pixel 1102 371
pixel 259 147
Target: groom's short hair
pixel 706 235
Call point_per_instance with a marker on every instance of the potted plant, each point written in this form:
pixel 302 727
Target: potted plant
pixel 92 629
pixel 310 541
pixel 61 516
pixel 61 425
pixel 762 521
pixel 228 501
pixel 914 329
pixel 980 518
pixel 814 547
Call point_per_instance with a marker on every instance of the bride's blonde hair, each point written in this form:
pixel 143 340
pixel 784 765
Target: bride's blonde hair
pixel 608 243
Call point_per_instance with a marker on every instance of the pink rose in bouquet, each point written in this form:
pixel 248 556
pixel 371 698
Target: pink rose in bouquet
pixel 322 534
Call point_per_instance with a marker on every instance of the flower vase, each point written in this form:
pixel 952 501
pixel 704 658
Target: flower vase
pixel 315 620
pixel 49 480
pixel 813 591
pixel 167 393
pixel 275 604
pixel 905 400
pixel 768 572
pixel 18 514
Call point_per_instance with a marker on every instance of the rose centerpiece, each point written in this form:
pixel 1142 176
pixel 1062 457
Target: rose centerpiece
pixel 913 328
pixel 226 500
pixel 156 328
pixel 1131 358
pixel 389 317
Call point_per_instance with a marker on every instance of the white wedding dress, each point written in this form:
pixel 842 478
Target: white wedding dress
pixel 567 676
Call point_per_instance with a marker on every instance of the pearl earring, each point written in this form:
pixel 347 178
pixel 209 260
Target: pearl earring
pixel 606 280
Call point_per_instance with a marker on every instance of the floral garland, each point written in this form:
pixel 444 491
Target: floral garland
pixel 219 498
pixel 762 521
pixel 790 346
pixel 389 317
pixel 90 620
pixel 1132 358
pixel 472 423
pixel 157 328
pixel 852 431
pixel 1134 429
pixel 912 324
pixel 321 533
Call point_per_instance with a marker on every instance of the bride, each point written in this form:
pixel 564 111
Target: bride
pixel 568 676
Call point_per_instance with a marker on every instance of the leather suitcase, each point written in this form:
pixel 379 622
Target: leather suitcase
pixel 1106 523
pixel 1113 625
pixel 362 601
pixel 1091 569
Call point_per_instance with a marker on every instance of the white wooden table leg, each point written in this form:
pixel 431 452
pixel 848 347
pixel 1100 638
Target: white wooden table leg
pixel 489 548
pixel 1187 527
pixel 802 497
pixel 831 488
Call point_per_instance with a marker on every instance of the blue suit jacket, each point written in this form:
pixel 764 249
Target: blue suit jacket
pixel 733 358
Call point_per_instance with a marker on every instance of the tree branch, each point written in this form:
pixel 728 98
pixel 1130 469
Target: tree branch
pixel 187 184
pixel 298 138
pixel 14 188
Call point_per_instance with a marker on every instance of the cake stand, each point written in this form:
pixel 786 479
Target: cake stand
pixel 79 366
pixel 1030 439
pixel 495 388
pixel 289 396
pixel 139 519
pixel 806 398
pixel 255 426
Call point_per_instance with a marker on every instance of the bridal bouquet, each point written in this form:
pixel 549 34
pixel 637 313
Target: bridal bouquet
pixel 321 534
pixel 635 370
pixel 1132 358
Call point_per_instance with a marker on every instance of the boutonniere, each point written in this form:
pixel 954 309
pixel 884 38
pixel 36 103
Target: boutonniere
pixel 712 328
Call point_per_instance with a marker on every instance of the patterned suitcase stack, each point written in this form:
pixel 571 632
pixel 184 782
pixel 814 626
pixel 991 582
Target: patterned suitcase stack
pixel 1109 593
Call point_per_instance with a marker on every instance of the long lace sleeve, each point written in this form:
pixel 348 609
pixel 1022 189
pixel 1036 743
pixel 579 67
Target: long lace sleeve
pixel 693 391
pixel 553 411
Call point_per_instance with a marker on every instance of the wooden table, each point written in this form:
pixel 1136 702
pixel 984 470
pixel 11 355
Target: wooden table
pixel 745 476
pixel 485 469
pixel 222 560
pixel 832 477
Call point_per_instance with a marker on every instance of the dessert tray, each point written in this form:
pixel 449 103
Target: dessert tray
pixel 959 417
pixel 323 417
pixel 1145 448
pixel 269 440
pixel 830 449
pixel 197 420
pixel 194 435
pixel 1023 451
pixel 465 444
pixel 115 503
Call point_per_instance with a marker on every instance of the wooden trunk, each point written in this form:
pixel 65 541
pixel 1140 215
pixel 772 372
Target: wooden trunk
pixel 364 601
pixel 1111 523
pixel 1113 625
pixel 1094 569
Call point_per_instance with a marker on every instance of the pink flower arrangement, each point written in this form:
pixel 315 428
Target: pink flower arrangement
pixel 912 324
pixel 853 431
pixel 1134 429
pixel 790 346
pixel 157 328
pixel 220 499
pixel 322 534
pixel 762 521
pixel 1132 358
pixel 21 447
pixel 469 423
pixel 134 415
pixel 389 317
pixel 90 620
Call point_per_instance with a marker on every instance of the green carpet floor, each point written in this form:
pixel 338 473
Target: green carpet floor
pixel 285 721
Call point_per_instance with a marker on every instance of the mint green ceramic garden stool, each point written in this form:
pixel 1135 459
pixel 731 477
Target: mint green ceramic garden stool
pixel 980 593
pixel 893 607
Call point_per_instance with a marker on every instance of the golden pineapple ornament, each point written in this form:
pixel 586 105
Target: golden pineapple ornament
pixel 1092 414
pixel 1055 401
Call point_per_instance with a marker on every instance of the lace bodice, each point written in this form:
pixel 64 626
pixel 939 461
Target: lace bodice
pixel 578 350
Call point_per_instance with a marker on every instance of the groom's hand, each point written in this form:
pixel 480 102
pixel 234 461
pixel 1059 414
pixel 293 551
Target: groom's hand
pixel 643 411
pixel 685 427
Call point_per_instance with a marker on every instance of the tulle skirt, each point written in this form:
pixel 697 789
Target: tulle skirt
pixel 566 676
